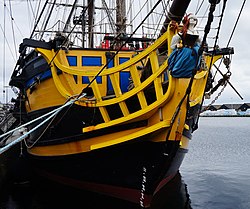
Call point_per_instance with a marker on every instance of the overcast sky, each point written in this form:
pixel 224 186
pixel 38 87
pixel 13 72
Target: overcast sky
pixel 240 67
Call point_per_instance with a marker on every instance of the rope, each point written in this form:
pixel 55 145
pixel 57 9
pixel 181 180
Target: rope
pixel 37 10
pixel 38 138
pixel 195 126
pixel 231 36
pixel 47 21
pixel 159 21
pixel 64 42
pixel 199 7
pixel 6 41
pixel 4 50
pixel 82 92
pixel 32 33
pixel 39 18
pixel 51 113
pixel 158 2
pixel 4 149
pixel 12 27
pixel 188 90
pixel 201 49
pixel 236 23
pixel 29 5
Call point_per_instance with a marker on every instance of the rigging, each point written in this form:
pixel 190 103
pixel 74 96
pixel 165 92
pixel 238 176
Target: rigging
pixel 198 8
pixel 38 19
pixel 7 42
pixel 236 23
pixel 12 27
pixel 47 21
pixel 157 3
pixel 230 38
pixel 110 18
pixel 82 92
pixel 4 50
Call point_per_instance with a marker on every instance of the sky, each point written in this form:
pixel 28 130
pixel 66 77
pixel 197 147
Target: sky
pixel 240 78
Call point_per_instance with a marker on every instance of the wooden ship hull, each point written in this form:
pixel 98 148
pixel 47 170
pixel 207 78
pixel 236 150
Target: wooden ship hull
pixel 129 123
pixel 124 144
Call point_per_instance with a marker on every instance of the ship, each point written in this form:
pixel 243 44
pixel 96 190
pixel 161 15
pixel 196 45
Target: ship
pixel 116 117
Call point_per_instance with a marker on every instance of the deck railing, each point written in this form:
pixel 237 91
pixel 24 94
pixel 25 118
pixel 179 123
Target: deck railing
pixel 155 80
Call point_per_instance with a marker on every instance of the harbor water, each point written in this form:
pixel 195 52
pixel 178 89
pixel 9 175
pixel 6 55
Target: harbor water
pixel 217 167
pixel 214 175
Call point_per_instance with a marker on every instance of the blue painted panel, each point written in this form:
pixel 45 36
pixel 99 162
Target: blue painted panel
pixel 85 80
pixel 165 76
pixel 75 78
pixel 123 59
pixel 91 61
pixel 42 76
pixel 124 76
pixel 110 65
pixel 124 81
pixel 72 60
pixel 99 79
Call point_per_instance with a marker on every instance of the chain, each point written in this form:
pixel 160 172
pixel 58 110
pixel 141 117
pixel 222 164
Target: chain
pixel 224 81
pixel 215 99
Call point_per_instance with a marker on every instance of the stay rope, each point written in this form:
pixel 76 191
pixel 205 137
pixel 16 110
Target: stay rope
pixel 214 47
pixel 50 115
pixel 236 23
pixel 113 56
pixel 188 90
pixel 68 104
pixel 200 51
pixel 218 68
pixel 120 48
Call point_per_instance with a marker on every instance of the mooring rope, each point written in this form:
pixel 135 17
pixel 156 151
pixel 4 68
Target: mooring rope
pixel 51 113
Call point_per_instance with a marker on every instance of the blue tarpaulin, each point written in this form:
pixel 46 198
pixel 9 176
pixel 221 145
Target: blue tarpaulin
pixel 182 62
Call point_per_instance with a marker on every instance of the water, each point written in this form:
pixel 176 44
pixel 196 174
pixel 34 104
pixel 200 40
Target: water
pixel 214 175
pixel 217 167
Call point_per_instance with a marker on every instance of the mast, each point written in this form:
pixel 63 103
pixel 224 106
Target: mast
pixel 67 25
pixel 110 18
pixel 91 7
pixel 121 16
pixel 176 13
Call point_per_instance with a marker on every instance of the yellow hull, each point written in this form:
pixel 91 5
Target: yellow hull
pixel 73 72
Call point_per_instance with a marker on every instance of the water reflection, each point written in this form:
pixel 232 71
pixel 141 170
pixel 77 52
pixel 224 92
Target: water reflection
pixel 41 194
pixel 174 195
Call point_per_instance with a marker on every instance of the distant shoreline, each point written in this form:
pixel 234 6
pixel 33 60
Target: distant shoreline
pixel 224 115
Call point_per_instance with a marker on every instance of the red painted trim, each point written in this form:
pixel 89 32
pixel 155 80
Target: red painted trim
pixel 128 194
pixel 164 182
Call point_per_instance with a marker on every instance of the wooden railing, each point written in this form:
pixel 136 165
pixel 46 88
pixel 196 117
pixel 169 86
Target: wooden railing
pixel 119 98
pixel 155 80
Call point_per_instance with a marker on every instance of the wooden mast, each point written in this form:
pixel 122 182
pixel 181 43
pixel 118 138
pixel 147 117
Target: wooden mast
pixel 121 17
pixel 91 7
pixel 67 24
pixel 176 13
pixel 120 20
